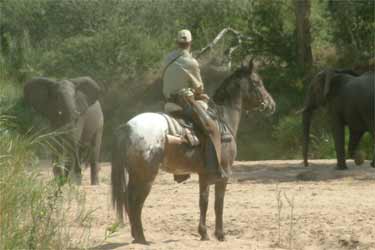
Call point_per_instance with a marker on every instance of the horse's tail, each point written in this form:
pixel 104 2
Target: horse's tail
pixel 119 178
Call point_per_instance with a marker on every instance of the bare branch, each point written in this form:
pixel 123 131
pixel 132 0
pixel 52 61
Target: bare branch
pixel 236 33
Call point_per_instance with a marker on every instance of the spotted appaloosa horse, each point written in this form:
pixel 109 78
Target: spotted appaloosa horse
pixel 140 148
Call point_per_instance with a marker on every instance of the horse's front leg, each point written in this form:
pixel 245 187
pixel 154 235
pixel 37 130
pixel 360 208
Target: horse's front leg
pixel 204 191
pixel 219 206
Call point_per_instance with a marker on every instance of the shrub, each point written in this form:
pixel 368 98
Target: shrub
pixel 29 207
pixel 287 134
pixel 32 209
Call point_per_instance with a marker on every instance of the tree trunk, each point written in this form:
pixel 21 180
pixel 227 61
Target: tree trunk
pixel 304 53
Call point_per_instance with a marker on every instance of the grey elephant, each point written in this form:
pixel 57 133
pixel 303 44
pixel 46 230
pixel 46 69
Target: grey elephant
pixel 72 106
pixel 349 99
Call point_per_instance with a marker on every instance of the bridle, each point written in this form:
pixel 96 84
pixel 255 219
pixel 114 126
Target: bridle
pixel 255 92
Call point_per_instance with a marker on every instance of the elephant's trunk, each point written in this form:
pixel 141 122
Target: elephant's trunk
pixel 306 120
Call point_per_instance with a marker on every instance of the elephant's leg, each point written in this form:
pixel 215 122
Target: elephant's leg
pixel 59 170
pixel 59 161
pixel 74 138
pixel 373 148
pixel 76 165
pixel 71 159
pixel 219 205
pixel 94 158
pixel 72 166
pixel 354 139
pixel 137 192
pixel 66 157
pixel 204 191
pixel 339 139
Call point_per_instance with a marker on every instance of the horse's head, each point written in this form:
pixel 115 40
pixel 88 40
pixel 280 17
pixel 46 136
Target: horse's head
pixel 255 97
pixel 246 82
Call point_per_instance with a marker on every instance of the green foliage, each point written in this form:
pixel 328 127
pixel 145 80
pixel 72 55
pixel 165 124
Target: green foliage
pixel 366 145
pixel 289 142
pixel 32 209
pixel 271 23
pixel 30 214
pixel 122 43
pixel 353 29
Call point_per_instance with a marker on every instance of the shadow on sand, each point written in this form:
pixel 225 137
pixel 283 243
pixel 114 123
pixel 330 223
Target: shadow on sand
pixel 109 246
pixel 293 170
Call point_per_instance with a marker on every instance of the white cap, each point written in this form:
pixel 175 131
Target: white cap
pixel 184 36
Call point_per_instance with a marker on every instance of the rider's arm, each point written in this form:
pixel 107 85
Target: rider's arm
pixel 196 79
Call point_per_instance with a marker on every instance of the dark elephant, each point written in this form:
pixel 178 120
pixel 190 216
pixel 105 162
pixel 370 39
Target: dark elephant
pixel 72 106
pixel 349 99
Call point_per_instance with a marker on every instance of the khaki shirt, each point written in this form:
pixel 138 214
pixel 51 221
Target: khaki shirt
pixel 183 73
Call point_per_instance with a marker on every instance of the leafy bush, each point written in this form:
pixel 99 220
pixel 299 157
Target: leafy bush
pixel 32 209
pixel 288 141
pixel 30 215
pixel 119 43
pixel 366 145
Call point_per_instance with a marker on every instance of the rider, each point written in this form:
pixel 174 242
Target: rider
pixel 183 92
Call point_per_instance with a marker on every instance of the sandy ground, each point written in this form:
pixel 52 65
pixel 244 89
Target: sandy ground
pixel 327 209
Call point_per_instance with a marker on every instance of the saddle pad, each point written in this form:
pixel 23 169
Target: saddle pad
pixel 175 128
pixel 181 129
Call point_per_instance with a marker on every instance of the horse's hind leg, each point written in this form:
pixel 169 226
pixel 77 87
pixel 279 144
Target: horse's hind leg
pixel 219 205
pixel 204 191
pixel 137 192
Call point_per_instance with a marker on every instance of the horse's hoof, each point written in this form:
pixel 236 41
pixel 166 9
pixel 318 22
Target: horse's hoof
pixel 143 242
pixel 205 238
pixel 220 236
pixel 94 182
pixel 373 164
pixel 341 168
pixel 202 230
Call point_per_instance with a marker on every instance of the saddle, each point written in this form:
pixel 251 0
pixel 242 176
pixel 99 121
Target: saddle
pixel 183 131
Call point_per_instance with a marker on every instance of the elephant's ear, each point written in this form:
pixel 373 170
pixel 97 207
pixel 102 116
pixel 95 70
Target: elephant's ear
pixel 328 82
pixel 37 93
pixel 88 87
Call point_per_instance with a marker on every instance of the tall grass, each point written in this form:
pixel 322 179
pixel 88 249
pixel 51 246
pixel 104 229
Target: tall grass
pixel 29 207
pixel 35 212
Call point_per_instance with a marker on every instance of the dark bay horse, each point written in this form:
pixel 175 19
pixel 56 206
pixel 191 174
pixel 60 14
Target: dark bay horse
pixel 141 148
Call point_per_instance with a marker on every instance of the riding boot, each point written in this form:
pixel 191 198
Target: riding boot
pixel 212 144
pixel 213 168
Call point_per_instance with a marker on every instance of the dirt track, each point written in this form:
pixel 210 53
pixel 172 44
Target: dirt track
pixel 331 209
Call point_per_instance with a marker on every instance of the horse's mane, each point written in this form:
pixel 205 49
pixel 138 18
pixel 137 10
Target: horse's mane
pixel 222 92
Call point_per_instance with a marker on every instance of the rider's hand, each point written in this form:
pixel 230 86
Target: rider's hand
pixel 198 91
pixel 203 97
